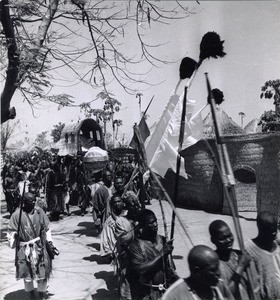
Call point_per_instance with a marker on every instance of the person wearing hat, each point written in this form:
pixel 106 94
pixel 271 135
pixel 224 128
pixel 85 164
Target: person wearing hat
pixel 29 232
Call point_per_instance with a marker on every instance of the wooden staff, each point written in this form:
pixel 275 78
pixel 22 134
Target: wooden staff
pixel 145 112
pixel 229 182
pixel 172 205
pixel 178 161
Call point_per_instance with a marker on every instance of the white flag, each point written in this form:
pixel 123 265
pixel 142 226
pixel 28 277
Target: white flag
pixel 165 155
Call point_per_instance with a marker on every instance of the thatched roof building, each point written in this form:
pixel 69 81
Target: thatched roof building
pixel 255 159
pixel 253 126
pixel 228 126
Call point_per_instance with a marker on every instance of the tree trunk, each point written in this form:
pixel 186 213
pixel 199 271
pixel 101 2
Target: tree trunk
pixel 13 63
pixel 14 73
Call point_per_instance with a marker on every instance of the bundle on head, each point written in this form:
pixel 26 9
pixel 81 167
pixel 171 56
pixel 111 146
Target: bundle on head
pixel 211 46
pixel 218 96
pixel 187 67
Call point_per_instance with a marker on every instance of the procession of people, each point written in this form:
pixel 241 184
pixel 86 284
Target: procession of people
pixel 41 188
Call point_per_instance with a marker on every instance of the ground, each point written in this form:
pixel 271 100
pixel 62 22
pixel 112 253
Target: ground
pixel 79 272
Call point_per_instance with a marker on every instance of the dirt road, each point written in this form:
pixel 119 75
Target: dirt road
pixel 81 274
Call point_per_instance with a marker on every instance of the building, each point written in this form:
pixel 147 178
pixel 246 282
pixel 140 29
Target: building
pixel 255 160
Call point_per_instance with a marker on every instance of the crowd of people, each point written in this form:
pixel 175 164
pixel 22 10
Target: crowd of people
pixel 46 186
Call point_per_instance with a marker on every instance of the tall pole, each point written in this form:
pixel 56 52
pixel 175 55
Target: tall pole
pixel 139 95
pixel 229 182
pixel 178 162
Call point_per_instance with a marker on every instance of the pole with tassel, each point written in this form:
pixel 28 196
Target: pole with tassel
pixel 229 183
pixel 210 46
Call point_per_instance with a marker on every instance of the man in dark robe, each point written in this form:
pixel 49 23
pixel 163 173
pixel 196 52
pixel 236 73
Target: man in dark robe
pixel 32 259
pixel 149 269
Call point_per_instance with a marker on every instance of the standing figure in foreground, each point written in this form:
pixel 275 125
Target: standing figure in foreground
pixel 149 269
pixel 99 201
pixel 265 252
pixel 32 259
pixel 232 263
pixel 204 281
pixel 107 237
pixel 125 231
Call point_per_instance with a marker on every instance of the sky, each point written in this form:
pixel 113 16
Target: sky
pixel 251 31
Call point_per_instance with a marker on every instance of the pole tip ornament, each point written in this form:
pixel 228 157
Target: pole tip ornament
pixel 211 46
pixel 187 67
pixel 218 96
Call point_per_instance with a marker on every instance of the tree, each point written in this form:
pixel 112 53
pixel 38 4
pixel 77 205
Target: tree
pixel 270 120
pixel 271 89
pixel 82 38
pixel 111 106
pixel 56 132
pixel 7 131
pixel 117 123
pixel 41 140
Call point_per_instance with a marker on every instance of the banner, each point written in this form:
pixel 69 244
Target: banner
pixel 165 155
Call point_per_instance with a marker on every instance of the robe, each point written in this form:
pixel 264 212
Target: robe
pixel 32 259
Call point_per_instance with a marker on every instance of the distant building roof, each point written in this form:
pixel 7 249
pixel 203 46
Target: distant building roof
pixel 253 127
pixel 228 126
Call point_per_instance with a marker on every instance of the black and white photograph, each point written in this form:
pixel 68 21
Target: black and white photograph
pixel 140 150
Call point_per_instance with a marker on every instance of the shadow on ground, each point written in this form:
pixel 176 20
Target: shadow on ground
pixel 95 246
pixel 101 260
pixel 21 295
pixel 112 286
pixel 109 278
pixel 88 230
pixel 102 294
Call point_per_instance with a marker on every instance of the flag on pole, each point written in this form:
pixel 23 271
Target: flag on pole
pixel 161 126
pixel 143 131
pixel 165 155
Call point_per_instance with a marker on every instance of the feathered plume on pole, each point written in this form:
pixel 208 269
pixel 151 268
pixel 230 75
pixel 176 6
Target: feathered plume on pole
pixel 218 96
pixel 186 70
pixel 227 177
pixel 210 46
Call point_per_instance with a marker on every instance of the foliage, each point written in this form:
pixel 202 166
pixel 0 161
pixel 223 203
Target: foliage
pixel 270 121
pixel 271 89
pixel 41 140
pixel 111 106
pixel 56 132
pixel 72 41
pixel 7 131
